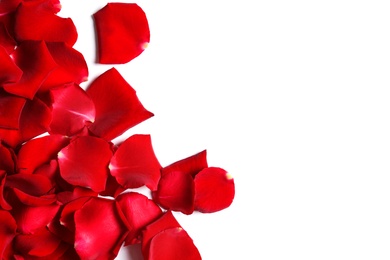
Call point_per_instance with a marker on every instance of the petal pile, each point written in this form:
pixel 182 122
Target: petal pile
pixel 66 186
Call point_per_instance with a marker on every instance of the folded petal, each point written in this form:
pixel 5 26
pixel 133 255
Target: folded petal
pixel 3 202
pixel 7 230
pixel 7 159
pixel 32 184
pixel 72 110
pixel 176 192
pixel 100 231
pixel 11 108
pixel 30 200
pixel 117 105
pixel 134 164
pixel 122 32
pixel 191 165
pixel 214 190
pixel 84 162
pixel 139 211
pixel 9 71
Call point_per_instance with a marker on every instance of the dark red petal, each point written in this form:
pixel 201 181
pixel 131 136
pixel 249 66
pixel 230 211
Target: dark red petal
pixel 3 203
pixel 113 188
pixel 134 164
pixel 176 192
pixel 48 146
pixel 139 211
pixel 100 231
pixel 7 230
pixel 84 162
pixel 67 213
pixel 122 32
pixel 172 244
pixel 7 159
pixel 191 165
pixel 33 23
pixel 72 67
pixel 117 105
pixel 214 190
pixel 30 200
pixel 6 40
pixel 72 110
pixel 9 71
pixel 36 62
pixel 11 108
pixel 33 184
pixel 7 6
pixel 34 120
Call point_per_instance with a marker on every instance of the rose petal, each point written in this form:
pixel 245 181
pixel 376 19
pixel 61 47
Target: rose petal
pixel 33 184
pixel 9 71
pixel 134 164
pixel 72 110
pixel 173 243
pixel 3 203
pixel 33 23
pixel 176 192
pixel 7 159
pixel 11 108
pixel 67 213
pixel 214 190
pixel 7 230
pixel 100 231
pixel 117 105
pixel 30 200
pixel 36 62
pixel 122 32
pixel 84 162
pixel 191 165
pixel 139 211
pixel 48 146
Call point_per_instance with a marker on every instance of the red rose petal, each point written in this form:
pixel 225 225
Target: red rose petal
pixel 176 192
pixel 3 203
pixel 34 23
pixel 99 230
pixel 139 211
pixel 122 32
pixel 214 190
pixel 7 159
pixel 11 108
pixel 6 40
pixel 48 146
pixel 7 231
pixel 173 243
pixel 117 105
pixel 84 162
pixel 72 110
pixel 191 165
pixel 72 67
pixel 33 184
pixel 134 164
pixel 30 200
pixel 36 62
pixel 9 71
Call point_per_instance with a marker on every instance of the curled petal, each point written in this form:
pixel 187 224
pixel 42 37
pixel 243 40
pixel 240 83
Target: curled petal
pixel 72 110
pixel 30 200
pixel 122 32
pixel 9 71
pixel 11 108
pixel 100 231
pixel 32 184
pixel 191 165
pixel 84 162
pixel 7 159
pixel 176 192
pixel 139 211
pixel 48 146
pixel 67 213
pixel 214 190
pixel 117 105
pixel 3 203
pixel 134 164
pixel 7 230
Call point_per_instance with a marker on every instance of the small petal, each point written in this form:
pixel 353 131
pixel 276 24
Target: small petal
pixel 9 71
pixel 191 165
pixel 122 32
pixel 214 190
pixel 11 108
pixel 134 164
pixel 7 159
pixel 33 184
pixel 7 230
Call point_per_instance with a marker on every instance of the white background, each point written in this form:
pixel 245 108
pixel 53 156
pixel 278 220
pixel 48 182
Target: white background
pixel 290 97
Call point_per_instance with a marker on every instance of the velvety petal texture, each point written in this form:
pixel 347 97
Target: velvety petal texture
pixel 122 32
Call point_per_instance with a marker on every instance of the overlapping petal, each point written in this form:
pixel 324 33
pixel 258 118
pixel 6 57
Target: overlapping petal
pixel 6 40
pixel 190 165
pixel 7 159
pixel 7 230
pixel 9 71
pixel 11 108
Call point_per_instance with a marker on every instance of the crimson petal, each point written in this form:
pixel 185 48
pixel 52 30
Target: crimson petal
pixel 117 105
pixel 6 40
pixel 7 159
pixel 7 230
pixel 134 164
pixel 33 184
pixel 9 71
pixel 3 203
pixel 191 165
pixel 214 190
pixel 122 32
pixel 11 108
pixel 84 162
pixel 139 211
pixel 100 231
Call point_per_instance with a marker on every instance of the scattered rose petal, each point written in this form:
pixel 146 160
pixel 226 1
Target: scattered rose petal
pixel 191 165
pixel 33 184
pixel 9 71
pixel 7 159
pixel 11 108
pixel 122 32
pixel 7 230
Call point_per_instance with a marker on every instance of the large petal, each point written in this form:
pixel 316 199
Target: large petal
pixel 100 231
pixel 84 162
pixel 9 71
pixel 7 230
pixel 134 164
pixel 139 211
pixel 117 105
pixel 32 184
pixel 72 110
pixel 11 108
pixel 214 190
pixel 191 165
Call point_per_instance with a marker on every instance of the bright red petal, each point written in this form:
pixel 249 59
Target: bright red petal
pixel 173 244
pixel 48 146
pixel 139 211
pixel 100 231
pixel 214 190
pixel 134 164
pixel 9 71
pixel 72 110
pixel 176 192
pixel 117 105
pixel 7 230
pixel 122 32
pixel 191 165
pixel 84 162
pixel 11 108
